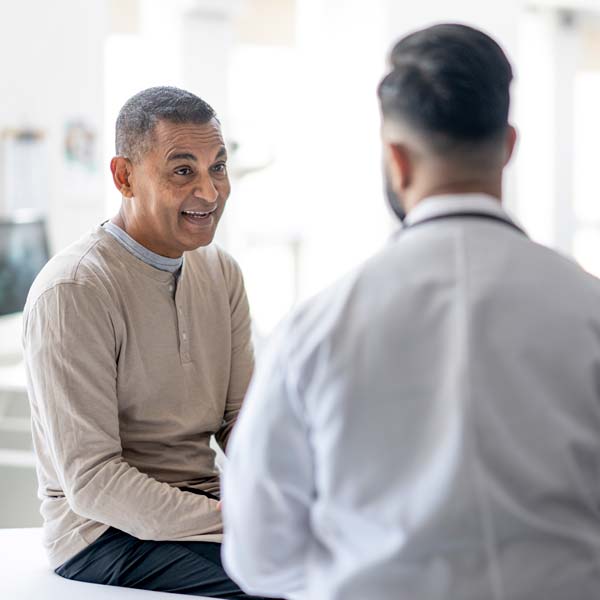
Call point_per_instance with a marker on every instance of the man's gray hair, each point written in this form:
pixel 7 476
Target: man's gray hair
pixel 141 113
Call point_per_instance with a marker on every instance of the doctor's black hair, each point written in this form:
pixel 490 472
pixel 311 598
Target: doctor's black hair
pixel 140 114
pixel 450 80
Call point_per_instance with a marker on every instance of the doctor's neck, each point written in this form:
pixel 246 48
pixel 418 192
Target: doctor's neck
pixel 453 182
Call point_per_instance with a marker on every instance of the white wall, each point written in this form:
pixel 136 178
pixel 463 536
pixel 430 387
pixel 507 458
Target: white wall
pixel 338 176
pixel 50 73
pixel 498 18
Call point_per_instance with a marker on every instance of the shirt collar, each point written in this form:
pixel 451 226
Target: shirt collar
pixel 447 204
pixel 163 263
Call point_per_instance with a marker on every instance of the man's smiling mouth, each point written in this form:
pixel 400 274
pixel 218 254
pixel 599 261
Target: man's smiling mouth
pixel 196 214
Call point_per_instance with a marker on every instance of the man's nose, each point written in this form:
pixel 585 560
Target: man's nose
pixel 206 191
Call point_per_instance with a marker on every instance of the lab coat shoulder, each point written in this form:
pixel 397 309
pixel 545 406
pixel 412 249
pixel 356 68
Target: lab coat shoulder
pixel 326 329
pixel 560 275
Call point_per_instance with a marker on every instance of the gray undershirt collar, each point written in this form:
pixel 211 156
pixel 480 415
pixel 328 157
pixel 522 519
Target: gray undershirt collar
pixel 172 265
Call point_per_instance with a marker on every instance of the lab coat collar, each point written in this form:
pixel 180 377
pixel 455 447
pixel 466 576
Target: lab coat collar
pixel 455 203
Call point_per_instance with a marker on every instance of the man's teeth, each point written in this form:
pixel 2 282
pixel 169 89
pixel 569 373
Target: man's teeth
pixel 194 213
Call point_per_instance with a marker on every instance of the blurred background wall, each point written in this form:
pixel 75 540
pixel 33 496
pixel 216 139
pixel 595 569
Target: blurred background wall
pixel 51 77
pixel 294 83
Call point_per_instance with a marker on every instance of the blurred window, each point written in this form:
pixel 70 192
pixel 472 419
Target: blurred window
pixel 23 252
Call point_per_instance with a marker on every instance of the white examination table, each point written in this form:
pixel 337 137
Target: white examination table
pixel 25 575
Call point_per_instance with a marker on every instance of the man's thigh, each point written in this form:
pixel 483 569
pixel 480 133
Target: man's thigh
pixel 118 558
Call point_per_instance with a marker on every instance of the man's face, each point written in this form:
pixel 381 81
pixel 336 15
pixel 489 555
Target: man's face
pixel 179 188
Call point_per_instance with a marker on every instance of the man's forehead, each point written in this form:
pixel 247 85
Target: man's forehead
pixel 169 136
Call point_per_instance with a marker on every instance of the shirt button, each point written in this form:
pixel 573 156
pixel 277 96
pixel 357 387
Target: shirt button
pixel 171 288
pixel 184 335
pixel 180 311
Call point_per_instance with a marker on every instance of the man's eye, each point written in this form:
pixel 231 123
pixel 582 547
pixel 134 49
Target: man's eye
pixel 220 168
pixel 183 171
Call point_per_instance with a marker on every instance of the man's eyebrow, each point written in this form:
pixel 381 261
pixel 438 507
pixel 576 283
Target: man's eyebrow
pixel 189 156
pixel 183 156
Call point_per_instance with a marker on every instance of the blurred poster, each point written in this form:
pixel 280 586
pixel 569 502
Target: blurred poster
pixel 23 171
pixel 79 159
pixel 80 145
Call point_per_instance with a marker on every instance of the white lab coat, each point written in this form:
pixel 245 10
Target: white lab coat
pixel 428 428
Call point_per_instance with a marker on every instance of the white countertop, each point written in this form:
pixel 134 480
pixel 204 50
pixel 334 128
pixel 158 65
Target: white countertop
pixel 12 378
pixel 10 339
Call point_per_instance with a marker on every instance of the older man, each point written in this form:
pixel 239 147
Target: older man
pixel 137 343
pixel 429 427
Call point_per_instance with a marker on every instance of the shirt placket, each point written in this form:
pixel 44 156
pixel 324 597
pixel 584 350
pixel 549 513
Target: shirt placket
pixel 182 324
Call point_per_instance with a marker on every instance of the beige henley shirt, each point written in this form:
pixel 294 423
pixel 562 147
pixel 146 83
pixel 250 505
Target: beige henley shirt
pixel 129 375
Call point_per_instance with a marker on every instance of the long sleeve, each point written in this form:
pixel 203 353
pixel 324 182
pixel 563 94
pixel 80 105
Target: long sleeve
pixel 71 355
pixel 268 487
pixel 242 354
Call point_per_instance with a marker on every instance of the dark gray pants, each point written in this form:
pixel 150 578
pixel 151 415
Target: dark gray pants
pixel 117 558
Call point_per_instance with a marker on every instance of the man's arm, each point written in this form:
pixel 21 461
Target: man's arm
pixel 242 354
pixel 71 358
pixel 268 487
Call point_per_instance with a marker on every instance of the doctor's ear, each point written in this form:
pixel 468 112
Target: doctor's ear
pixel 399 167
pixel 120 168
pixel 510 143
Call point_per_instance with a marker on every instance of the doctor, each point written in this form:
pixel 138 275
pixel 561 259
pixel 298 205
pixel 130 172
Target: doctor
pixel 430 426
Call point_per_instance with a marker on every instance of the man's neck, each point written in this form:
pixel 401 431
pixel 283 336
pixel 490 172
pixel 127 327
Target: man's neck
pixel 119 221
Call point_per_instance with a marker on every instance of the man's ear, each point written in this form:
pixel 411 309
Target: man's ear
pixel 510 143
pixel 120 168
pixel 399 167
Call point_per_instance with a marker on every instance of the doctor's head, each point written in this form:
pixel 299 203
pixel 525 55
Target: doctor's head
pixel 444 108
